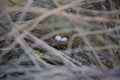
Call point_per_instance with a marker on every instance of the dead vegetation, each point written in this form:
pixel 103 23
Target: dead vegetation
pixel 30 51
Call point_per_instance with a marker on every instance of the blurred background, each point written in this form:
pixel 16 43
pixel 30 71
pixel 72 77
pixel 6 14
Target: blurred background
pixel 59 39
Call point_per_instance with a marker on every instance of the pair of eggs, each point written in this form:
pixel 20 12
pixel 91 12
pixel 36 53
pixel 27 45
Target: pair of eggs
pixel 59 38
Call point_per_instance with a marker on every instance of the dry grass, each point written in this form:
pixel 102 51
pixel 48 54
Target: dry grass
pixel 29 51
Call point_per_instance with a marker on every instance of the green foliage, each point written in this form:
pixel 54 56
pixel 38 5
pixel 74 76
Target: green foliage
pixel 51 19
pixel 85 28
pixel 0 26
pixel 38 52
pixel 57 23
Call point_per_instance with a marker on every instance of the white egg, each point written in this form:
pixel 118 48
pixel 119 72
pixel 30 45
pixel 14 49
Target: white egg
pixel 58 38
pixel 64 39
